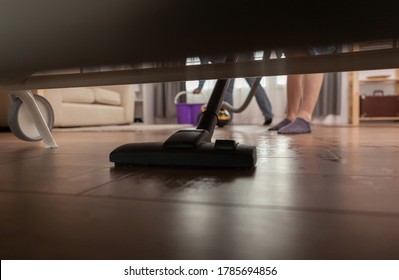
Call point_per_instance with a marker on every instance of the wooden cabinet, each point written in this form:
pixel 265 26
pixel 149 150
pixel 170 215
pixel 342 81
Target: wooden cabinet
pixel 368 83
pixel 359 86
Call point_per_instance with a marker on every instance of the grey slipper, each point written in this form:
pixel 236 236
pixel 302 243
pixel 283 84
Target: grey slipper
pixel 280 124
pixel 298 126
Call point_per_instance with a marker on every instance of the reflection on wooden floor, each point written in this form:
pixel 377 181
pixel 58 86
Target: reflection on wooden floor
pixel 332 194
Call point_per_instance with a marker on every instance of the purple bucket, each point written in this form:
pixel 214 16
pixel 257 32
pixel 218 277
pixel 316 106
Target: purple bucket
pixel 187 113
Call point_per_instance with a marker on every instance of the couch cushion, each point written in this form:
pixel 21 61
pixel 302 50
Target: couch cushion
pixel 91 114
pixel 78 95
pixel 106 96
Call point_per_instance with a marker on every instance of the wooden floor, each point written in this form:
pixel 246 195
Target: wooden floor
pixel 332 194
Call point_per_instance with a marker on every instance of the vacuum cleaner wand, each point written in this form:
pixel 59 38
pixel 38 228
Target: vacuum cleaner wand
pixel 191 147
pixel 209 117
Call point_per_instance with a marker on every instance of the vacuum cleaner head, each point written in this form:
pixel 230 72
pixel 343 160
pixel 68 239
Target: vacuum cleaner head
pixel 186 148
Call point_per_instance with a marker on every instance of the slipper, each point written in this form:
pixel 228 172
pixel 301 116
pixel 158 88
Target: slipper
pixel 280 125
pixel 298 126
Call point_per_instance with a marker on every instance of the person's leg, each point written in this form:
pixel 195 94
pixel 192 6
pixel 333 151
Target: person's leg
pixel 262 100
pixel 294 94
pixel 309 91
pixel 312 86
pixel 199 87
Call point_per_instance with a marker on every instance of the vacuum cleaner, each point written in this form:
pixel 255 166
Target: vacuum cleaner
pixel 191 147
pixel 224 116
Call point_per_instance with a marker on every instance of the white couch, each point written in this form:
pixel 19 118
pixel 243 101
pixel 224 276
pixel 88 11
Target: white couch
pixel 89 106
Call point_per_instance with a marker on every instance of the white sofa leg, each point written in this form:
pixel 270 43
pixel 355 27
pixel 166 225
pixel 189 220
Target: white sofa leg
pixel 38 119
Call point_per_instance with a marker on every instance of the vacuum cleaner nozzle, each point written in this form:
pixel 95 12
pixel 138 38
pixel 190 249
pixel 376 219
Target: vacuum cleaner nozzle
pixel 186 148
